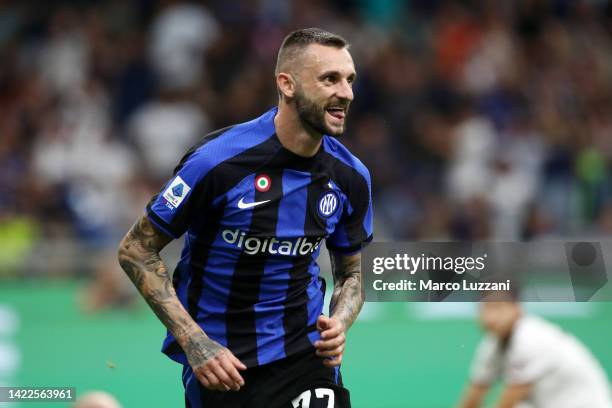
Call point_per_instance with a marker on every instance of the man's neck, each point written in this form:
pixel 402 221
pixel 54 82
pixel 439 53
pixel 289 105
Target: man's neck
pixel 292 134
pixel 505 339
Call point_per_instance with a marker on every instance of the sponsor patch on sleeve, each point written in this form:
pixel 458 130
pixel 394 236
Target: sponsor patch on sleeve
pixel 176 192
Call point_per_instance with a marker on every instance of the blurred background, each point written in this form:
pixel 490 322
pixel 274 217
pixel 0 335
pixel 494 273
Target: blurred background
pixel 477 119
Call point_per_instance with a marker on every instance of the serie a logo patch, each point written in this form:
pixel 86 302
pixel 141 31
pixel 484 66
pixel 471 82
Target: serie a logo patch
pixel 176 192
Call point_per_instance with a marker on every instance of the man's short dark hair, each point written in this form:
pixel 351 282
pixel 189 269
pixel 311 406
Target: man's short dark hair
pixel 297 40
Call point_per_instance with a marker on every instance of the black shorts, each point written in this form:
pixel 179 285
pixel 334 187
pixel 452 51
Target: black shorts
pixel 298 381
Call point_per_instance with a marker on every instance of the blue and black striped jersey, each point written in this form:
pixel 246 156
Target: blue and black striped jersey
pixel 255 215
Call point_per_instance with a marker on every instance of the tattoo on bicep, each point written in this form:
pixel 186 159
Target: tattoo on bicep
pixel 139 252
pixel 347 298
pixel 150 237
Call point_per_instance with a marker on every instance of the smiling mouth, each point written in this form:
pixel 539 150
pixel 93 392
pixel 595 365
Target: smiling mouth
pixel 337 112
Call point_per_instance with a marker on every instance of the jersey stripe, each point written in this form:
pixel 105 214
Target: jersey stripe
pixel 291 218
pixel 180 277
pixel 316 293
pixel 216 280
pixel 199 260
pixel 316 287
pixel 248 272
pixel 297 319
pixel 271 314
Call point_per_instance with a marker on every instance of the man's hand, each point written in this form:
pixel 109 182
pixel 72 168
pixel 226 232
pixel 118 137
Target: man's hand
pixel 332 340
pixel 513 394
pixel 474 395
pixel 213 365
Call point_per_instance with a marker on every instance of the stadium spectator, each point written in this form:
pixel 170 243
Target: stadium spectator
pixel 526 76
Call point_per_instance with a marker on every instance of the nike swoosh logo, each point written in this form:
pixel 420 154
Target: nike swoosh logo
pixel 242 205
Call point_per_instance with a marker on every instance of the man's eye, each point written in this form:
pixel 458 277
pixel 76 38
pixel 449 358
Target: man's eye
pixel 329 78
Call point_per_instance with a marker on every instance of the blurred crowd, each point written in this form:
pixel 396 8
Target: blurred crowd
pixel 477 119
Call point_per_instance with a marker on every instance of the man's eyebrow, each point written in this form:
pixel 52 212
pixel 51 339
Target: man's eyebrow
pixel 336 72
pixel 327 73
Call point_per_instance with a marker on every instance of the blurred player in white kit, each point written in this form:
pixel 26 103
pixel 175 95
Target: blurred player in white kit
pixel 541 366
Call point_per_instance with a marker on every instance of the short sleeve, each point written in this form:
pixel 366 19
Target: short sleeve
pixel 527 363
pixel 174 208
pixel 486 367
pixel 354 229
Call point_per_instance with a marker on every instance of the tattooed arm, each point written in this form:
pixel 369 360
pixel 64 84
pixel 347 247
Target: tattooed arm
pixel 214 365
pixel 348 296
pixel 345 305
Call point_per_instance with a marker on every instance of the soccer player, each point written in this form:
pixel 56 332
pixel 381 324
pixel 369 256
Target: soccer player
pixel 541 366
pixel 256 201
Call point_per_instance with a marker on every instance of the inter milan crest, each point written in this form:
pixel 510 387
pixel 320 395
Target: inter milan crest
pixel 328 204
pixel 262 182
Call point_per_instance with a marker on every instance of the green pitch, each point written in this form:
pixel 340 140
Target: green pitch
pixel 398 355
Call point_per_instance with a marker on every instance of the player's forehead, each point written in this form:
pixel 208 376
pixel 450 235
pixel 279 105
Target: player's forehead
pixel 318 59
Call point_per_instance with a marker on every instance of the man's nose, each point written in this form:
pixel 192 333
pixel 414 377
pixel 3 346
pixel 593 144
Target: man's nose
pixel 345 90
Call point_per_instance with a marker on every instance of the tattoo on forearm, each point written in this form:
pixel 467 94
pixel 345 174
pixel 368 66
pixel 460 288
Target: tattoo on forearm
pixel 139 257
pixel 348 297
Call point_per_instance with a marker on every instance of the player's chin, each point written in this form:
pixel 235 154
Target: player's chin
pixel 334 126
pixel 335 131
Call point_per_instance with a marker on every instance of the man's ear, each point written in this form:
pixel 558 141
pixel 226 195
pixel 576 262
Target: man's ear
pixel 286 84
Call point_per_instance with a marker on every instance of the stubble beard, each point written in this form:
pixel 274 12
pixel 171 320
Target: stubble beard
pixel 313 116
